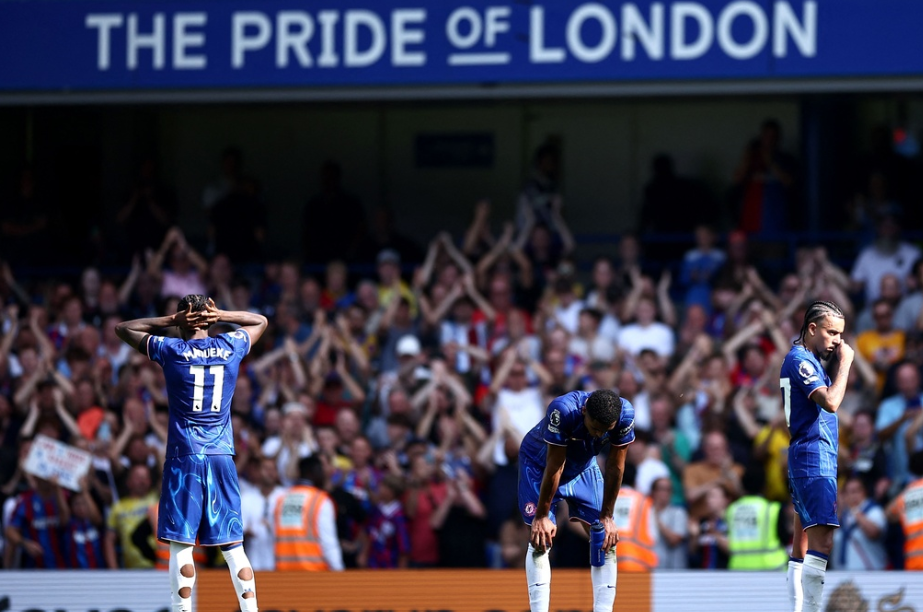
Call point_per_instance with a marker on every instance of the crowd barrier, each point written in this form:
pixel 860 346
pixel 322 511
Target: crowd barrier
pixel 451 591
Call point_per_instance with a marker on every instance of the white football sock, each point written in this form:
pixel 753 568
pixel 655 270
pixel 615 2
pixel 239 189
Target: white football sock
pixel 237 561
pixel 604 578
pixel 538 577
pixel 795 592
pixel 812 579
pixel 181 556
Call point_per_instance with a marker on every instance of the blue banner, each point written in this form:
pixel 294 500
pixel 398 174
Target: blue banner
pixel 119 45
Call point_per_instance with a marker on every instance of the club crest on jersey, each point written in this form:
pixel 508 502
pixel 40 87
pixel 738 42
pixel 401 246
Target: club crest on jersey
pixel 529 509
pixel 554 421
pixel 806 370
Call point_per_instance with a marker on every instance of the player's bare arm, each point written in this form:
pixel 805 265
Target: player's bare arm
pixel 135 331
pixel 612 482
pixel 254 324
pixel 830 398
pixel 543 529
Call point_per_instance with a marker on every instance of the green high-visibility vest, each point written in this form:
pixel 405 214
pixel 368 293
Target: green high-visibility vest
pixel 752 535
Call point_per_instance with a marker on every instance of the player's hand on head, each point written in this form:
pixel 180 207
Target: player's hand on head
pixel 543 532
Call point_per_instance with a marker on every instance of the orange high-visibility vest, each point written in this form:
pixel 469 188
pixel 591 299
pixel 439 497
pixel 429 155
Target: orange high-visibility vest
pixel 910 507
pixel 635 550
pixel 162 548
pixel 298 544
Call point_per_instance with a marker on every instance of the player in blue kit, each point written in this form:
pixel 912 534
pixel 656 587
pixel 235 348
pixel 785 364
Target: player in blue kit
pixel 200 496
pixel 557 460
pixel 811 395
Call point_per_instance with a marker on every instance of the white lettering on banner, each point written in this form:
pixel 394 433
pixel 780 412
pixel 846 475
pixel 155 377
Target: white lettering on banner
pixel 587 32
pixel 183 40
pixel 104 23
pixel 356 19
pixel 680 48
pixel 153 41
pixel 634 27
pixel 241 42
pixel 466 19
pixel 538 53
pixel 51 459
pixel 760 30
pixel 606 43
pixel 803 34
pixel 293 32
pixel 328 57
pixel 402 35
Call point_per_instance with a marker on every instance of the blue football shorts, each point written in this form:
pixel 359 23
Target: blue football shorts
pixel 814 499
pixel 583 493
pixel 200 501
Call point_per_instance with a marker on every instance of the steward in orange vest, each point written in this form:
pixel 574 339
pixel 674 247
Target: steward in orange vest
pixel 305 527
pixel 908 509
pixel 633 517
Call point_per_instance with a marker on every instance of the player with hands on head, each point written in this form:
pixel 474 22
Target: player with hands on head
pixel 200 498
pixel 558 462
pixel 813 382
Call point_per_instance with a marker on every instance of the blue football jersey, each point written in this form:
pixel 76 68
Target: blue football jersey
pixel 563 426
pixel 201 376
pixel 815 435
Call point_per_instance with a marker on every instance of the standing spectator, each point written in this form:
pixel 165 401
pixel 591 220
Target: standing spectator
pixel 257 505
pixel 882 346
pixel 334 220
pixel 894 416
pixel 388 537
pixel 459 522
pixel 859 541
pixel 535 201
pixel 186 271
pixel 865 458
pixel 672 527
pixel 149 212
pixel 887 255
pixel 295 442
pixel 37 524
pixel 646 332
pixel 425 494
pixel 716 469
pixel 83 540
pixel 675 448
pixel 708 534
pixel 764 183
pixel 228 235
pixel 638 531
pixel 125 516
pixel 699 267
pixel 756 529
pixel 909 313
pixel 305 523
pixel 906 509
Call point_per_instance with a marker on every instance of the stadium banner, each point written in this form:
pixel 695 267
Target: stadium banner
pixel 123 45
pixel 84 590
pixel 50 459
pixel 723 591
pixel 415 591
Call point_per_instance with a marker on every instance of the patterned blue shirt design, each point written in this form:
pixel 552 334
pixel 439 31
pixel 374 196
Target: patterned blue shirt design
pixel 563 426
pixel 815 434
pixel 201 375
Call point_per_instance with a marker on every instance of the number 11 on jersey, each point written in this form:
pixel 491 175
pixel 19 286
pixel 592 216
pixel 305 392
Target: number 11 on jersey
pixel 198 378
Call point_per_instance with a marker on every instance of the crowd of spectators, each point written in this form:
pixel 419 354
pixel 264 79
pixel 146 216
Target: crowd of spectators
pixel 416 383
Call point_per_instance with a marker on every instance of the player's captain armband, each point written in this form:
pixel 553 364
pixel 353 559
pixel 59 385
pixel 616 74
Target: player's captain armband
pixel 554 421
pixel 807 373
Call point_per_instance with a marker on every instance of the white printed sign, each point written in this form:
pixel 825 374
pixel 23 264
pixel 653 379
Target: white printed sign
pixel 51 460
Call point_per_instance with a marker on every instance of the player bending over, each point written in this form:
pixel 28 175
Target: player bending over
pixel 200 498
pixel 558 461
pixel 811 400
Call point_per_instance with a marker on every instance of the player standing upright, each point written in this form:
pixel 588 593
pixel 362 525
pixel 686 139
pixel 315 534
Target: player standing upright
pixel 557 460
pixel 811 395
pixel 200 498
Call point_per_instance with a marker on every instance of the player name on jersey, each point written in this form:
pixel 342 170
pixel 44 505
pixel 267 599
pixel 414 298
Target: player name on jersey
pixel 208 353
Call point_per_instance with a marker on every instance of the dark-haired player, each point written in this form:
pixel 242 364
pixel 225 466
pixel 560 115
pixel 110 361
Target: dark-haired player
pixel 200 498
pixel 557 460
pixel 811 395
